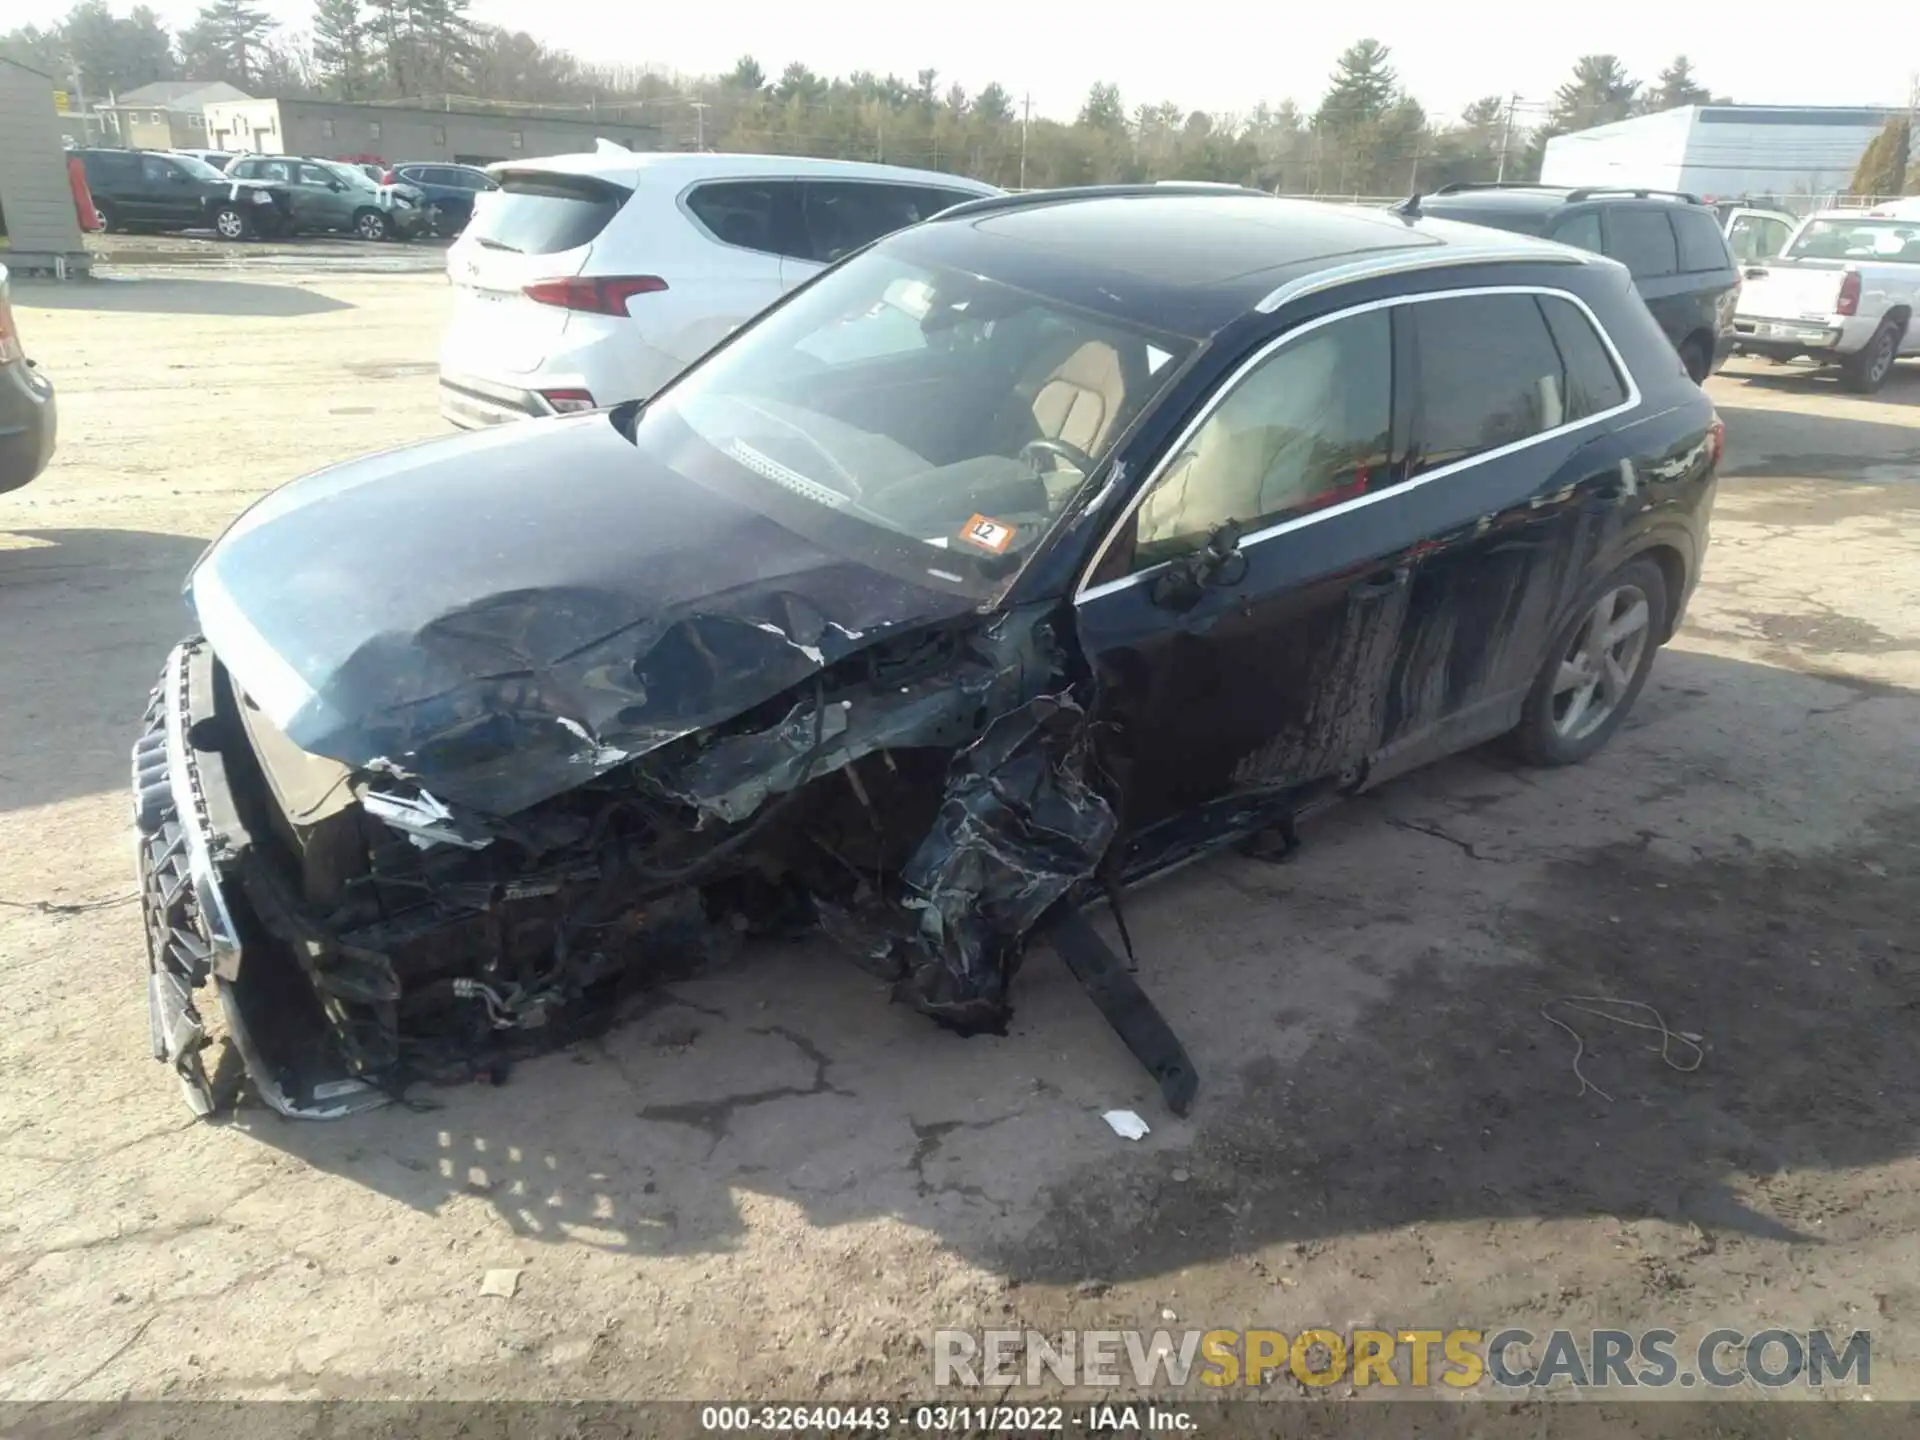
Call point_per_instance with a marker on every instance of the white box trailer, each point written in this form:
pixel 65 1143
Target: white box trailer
pixel 1721 151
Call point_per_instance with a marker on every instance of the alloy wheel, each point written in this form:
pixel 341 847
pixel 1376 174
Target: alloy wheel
pixel 372 227
pixel 230 225
pixel 1600 662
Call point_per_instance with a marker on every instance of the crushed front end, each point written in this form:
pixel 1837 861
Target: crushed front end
pixel 924 801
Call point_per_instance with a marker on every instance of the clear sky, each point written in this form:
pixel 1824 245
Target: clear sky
pixel 1215 55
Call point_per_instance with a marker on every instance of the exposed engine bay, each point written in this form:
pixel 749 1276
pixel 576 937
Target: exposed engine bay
pixel 929 803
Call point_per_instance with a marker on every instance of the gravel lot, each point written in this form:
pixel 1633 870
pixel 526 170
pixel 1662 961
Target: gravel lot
pixel 772 1184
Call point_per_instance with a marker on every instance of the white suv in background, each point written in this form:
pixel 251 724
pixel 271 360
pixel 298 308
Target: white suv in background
pixel 586 280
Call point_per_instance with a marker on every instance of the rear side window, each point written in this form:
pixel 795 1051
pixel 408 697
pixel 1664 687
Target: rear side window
pixel 1701 245
pixel 544 213
pixel 758 215
pixel 841 216
pixel 1642 240
pixel 1592 384
pixel 1582 230
pixel 111 169
pixel 1486 374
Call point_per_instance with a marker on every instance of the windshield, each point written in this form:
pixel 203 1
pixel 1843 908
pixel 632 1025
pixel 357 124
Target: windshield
pixel 1857 240
pixel 955 416
pixel 198 168
pixel 354 177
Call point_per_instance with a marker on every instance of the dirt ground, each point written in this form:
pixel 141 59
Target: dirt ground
pixel 772 1184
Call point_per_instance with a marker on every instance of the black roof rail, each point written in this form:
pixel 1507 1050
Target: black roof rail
pixel 1638 192
pixel 1020 200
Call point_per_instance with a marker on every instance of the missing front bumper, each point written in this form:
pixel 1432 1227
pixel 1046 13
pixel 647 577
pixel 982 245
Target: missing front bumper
pixel 193 939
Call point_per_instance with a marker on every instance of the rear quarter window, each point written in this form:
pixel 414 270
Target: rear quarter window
pixel 1702 247
pixel 1642 240
pixel 543 214
pixel 760 215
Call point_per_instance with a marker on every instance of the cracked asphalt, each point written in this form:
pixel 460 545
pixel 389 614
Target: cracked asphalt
pixel 771 1183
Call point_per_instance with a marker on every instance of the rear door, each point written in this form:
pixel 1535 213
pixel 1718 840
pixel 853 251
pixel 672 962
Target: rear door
pixel 540 225
pixel 1641 237
pixel 1515 476
pixel 749 232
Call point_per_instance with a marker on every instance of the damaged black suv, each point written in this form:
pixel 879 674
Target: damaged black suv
pixel 1022 555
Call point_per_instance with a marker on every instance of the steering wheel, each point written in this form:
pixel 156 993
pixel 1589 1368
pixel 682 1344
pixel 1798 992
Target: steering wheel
pixel 1072 454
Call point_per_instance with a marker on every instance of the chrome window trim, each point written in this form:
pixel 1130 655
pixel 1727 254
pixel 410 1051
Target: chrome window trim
pixel 1084 591
pixel 1440 257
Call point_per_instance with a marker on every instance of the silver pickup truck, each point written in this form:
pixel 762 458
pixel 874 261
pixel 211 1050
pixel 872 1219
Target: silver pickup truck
pixel 1844 292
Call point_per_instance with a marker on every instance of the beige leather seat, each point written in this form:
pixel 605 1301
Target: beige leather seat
pixel 1081 401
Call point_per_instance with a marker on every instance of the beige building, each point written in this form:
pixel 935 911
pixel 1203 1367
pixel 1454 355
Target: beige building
pixel 394 133
pixel 39 226
pixel 166 115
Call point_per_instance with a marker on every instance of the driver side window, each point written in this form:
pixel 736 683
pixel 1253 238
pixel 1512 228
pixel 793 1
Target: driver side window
pixel 1309 427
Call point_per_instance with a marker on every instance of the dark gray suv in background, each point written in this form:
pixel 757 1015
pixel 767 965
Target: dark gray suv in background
pixel 1669 241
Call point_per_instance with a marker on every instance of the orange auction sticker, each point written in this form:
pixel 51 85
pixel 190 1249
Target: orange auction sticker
pixel 988 533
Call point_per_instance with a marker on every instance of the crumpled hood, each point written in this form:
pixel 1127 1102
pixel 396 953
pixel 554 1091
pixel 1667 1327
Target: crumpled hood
pixel 504 614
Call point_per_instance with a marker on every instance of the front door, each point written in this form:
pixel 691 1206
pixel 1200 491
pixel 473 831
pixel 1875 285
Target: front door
pixel 328 201
pixel 1269 676
pixel 172 196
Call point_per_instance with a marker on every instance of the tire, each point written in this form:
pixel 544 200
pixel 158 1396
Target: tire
pixel 372 225
pixel 1697 356
pixel 103 212
pixel 1866 371
pixel 230 222
pixel 1551 730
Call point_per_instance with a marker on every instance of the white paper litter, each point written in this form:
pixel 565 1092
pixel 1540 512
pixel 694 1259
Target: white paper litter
pixel 502 1283
pixel 1126 1124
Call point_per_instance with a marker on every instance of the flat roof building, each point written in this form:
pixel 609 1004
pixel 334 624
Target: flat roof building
pixel 394 132
pixel 1721 151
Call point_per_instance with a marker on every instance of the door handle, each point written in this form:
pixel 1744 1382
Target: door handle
pixel 1382 582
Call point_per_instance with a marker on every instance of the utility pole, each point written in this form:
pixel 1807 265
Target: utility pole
pixel 880 134
pixel 1506 138
pixel 699 124
pixel 1026 115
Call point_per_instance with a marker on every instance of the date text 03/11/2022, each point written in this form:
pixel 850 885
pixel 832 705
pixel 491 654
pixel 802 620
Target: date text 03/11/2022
pixel 1103 1418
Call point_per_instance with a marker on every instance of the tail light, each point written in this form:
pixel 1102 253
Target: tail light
pixel 595 294
pixel 1716 441
pixel 10 350
pixel 568 402
pixel 388 177
pixel 1849 301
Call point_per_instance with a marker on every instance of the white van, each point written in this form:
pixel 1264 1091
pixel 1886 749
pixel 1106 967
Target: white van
pixel 586 280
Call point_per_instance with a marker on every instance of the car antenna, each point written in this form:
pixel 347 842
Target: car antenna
pixel 1408 206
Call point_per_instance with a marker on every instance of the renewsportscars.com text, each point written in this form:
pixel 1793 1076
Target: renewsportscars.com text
pixel 1510 1358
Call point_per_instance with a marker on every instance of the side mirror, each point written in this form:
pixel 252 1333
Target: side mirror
pixel 336 186
pixel 1218 563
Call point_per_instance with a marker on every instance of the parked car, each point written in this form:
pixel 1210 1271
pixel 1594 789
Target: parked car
pixel 1022 555
pixel 589 279
pixel 28 415
pixel 448 188
pixel 218 159
pixel 329 195
pixel 1670 243
pixel 154 190
pixel 1844 292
